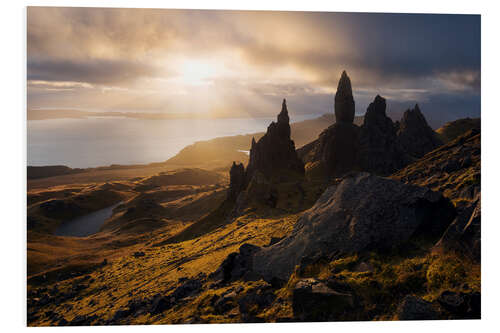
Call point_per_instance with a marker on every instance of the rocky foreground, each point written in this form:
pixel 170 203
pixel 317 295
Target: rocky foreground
pixel 315 234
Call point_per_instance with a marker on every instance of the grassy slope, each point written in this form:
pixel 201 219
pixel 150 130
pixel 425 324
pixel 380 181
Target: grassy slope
pixel 411 270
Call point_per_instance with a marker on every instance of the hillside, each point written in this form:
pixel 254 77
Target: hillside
pixel 221 152
pixel 129 274
pixel 454 129
pixel 288 237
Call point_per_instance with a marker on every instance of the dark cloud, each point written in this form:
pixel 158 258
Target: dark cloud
pixel 99 71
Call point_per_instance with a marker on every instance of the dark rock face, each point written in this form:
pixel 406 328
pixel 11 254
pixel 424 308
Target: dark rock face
pixel 338 149
pixel 337 146
pixel 236 180
pixel 379 150
pixel 361 212
pixel 275 151
pixel 415 308
pixel 344 102
pixel 415 136
pixel 236 265
pixel 315 301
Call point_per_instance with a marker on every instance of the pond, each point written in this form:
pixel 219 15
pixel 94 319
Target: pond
pixel 86 225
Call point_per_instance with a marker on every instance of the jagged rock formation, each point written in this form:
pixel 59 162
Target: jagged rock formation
pixel 415 136
pixel 275 151
pixel 344 102
pixel 338 149
pixel 337 146
pixel 379 149
pixel 236 180
pixel 362 212
pixel 378 146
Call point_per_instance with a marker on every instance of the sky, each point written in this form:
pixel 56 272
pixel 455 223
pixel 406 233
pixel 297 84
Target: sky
pixel 243 63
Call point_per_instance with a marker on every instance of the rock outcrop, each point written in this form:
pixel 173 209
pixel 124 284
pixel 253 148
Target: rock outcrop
pixel 337 146
pixel 415 136
pixel 464 234
pixel 415 308
pixel 379 146
pixel 236 181
pixel 362 212
pixel 344 102
pixel 275 151
pixel 313 300
pixel 379 149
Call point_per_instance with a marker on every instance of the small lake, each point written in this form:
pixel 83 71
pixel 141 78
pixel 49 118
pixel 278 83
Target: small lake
pixel 86 225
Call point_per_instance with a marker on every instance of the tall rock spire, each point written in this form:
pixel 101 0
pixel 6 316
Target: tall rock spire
pixel 283 115
pixel 236 180
pixel 275 151
pixel 344 102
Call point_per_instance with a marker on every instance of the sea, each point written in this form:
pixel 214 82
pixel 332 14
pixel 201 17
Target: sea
pixel 102 141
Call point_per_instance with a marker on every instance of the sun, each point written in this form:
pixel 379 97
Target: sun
pixel 197 72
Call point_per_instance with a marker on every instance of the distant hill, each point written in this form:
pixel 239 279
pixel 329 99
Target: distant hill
pixel 454 129
pixel 35 172
pixel 221 152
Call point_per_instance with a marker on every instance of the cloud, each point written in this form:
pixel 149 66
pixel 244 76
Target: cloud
pixel 98 71
pixel 133 58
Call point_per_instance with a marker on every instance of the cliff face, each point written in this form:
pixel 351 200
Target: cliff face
pixel 275 151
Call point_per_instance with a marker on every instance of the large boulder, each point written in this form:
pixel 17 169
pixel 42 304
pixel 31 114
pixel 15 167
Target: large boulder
pixel 361 212
pixel 415 136
pixel 379 151
pixel 415 308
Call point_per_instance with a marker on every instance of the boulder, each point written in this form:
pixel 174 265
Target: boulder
pixel 361 212
pixel 415 136
pixel 189 287
pixel 415 308
pixel 313 300
pixel 236 265
pixel 255 299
